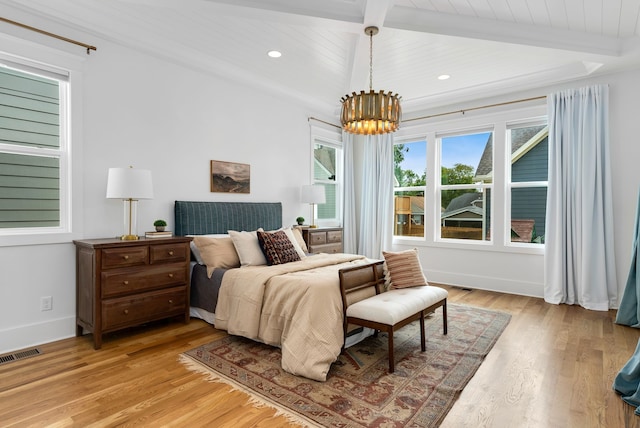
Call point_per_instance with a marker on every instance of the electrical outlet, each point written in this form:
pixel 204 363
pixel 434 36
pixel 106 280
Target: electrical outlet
pixel 46 303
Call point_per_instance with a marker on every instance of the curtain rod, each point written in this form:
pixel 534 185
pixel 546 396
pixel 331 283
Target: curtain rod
pixel 326 123
pixel 456 111
pixel 477 108
pixel 46 33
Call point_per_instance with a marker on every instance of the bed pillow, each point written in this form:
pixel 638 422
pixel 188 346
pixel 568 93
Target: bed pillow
pixel 404 269
pixel 277 247
pixel 248 248
pixel 217 253
pixel 194 248
pixel 297 234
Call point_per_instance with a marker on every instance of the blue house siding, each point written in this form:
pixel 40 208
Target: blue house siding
pixel 530 203
pixel 534 165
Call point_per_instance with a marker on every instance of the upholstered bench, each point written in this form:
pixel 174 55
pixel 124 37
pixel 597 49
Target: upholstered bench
pixel 365 305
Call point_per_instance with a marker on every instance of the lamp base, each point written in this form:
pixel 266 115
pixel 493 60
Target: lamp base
pixel 129 237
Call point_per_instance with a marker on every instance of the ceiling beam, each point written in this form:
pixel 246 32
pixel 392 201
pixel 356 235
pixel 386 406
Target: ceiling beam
pixel 375 12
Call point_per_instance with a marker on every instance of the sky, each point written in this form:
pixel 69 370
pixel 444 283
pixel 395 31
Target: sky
pixel 464 149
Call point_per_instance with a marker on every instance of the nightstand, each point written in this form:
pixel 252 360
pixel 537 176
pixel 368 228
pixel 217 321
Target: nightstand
pixel 323 239
pixel 121 284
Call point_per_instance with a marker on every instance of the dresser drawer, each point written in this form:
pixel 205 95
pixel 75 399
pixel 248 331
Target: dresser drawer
pixel 334 236
pixel 123 311
pixel 123 257
pixel 168 253
pixel 317 238
pixel 326 248
pixel 128 281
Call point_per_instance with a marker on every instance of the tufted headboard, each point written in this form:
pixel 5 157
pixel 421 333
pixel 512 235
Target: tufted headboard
pixel 202 218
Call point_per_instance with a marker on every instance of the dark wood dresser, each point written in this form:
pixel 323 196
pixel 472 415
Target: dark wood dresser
pixel 122 284
pixel 323 239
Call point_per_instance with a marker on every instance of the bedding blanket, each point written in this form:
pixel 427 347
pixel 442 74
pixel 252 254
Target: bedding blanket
pixel 296 306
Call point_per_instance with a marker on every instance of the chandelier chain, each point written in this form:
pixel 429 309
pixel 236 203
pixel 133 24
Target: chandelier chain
pixel 371 60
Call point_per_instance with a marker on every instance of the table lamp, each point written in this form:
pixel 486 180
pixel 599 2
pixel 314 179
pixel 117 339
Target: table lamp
pixel 130 185
pixel 312 194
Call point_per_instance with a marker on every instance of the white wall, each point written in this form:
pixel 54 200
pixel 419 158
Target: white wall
pixel 522 273
pixel 153 114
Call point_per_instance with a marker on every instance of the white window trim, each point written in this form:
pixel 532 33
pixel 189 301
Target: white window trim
pixel 71 190
pixel 519 246
pixel 498 122
pixel 332 139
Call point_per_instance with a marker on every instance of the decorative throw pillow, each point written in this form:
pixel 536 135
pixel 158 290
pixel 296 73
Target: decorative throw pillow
pixel 248 248
pixel 277 248
pixel 217 253
pixel 404 269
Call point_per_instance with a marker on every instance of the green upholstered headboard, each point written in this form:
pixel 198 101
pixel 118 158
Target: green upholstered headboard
pixel 202 218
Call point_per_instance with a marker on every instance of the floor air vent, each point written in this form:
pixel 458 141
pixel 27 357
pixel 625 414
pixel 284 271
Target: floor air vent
pixel 20 355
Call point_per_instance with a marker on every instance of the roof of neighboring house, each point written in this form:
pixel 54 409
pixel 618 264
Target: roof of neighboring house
pixel 417 204
pixel 325 159
pixel 523 229
pixel 464 201
pixel 519 138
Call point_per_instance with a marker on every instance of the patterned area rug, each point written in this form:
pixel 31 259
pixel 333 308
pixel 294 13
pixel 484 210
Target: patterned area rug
pixel 359 392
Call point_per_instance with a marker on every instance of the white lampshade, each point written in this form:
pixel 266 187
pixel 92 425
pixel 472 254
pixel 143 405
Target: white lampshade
pixel 312 194
pixel 129 183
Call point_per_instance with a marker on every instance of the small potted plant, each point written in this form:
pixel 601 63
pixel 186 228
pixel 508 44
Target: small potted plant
pixel 160 225
pixel 300 221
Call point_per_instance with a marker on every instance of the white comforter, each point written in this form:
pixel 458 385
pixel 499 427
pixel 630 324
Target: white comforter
pixel 296 306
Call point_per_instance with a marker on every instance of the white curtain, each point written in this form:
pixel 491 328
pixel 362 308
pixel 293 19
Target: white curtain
pixel 579 253
pixel 349 240
pixel 376 209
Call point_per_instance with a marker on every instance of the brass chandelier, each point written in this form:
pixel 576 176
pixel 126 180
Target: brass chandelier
pixel 370 113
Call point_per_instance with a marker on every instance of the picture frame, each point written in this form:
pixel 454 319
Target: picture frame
pixel 230 177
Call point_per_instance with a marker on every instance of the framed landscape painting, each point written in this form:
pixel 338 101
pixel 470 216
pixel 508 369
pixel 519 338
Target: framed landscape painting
pixel 230 177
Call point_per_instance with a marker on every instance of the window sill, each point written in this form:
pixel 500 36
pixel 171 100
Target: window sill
pixel 533 249
pixel 36 239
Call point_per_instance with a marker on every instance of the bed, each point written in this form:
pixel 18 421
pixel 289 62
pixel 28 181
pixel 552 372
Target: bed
pixel 295 305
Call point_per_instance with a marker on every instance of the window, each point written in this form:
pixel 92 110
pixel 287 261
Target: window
pixel 528 184
pixel 34 158
pixel 474 181
pixel 466 174
pixel 327 171
pixel 410 173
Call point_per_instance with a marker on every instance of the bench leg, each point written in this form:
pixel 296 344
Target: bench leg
pixel 391 357
pixel 444 317
pixel 423 344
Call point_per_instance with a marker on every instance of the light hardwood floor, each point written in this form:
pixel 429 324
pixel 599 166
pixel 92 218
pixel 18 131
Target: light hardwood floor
pixel 552 367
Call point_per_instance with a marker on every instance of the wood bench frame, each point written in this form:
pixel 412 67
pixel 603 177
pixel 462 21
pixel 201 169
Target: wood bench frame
pixel 358 279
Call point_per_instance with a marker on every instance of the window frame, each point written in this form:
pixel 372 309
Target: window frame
pixel 333 140
pixel 30 58
pixel 426 223
pixel 510 185
pixel 496 120
pixel 440 187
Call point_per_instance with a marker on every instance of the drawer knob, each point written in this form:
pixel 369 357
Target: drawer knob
pixel 170 275
pixel 125 257
pixel 126 311
pixel 170 301
pixel 171 253
pixel 125 282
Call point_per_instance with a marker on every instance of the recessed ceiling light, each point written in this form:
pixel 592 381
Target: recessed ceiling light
pixel 443 77
pixel 274 54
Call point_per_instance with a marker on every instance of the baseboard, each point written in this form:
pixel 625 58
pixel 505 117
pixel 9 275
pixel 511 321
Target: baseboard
pixel 509 286
pixel 26 336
